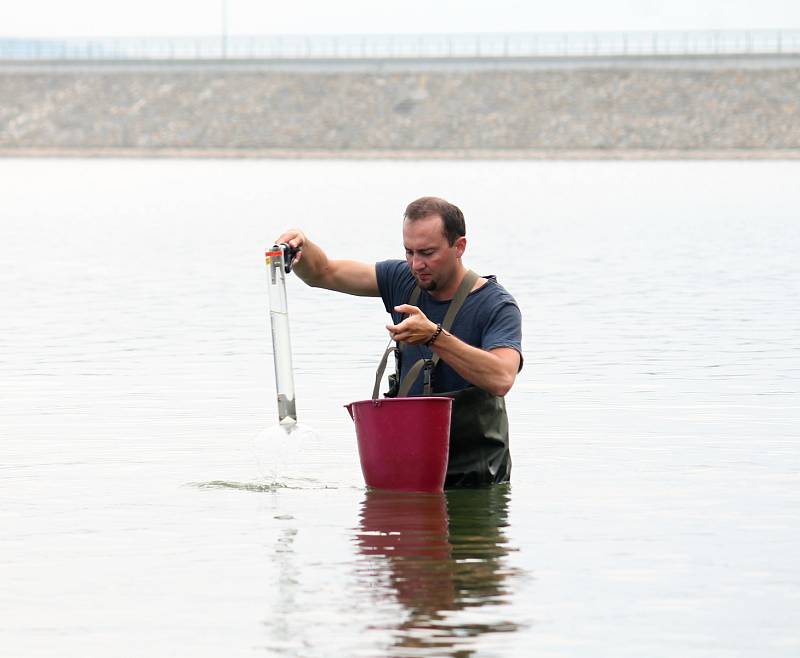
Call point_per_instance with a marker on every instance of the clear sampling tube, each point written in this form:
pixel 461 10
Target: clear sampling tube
pixel 279 260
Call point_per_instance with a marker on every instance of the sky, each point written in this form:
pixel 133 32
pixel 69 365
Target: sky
pixel 76 18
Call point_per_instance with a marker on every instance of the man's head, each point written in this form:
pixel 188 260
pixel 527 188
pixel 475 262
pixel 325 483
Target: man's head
pixel 452 217
pixel 434 239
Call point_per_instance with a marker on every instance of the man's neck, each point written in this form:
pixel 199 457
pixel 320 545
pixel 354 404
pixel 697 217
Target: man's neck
pixel 448 292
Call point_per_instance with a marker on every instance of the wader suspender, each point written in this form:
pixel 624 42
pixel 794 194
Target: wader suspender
pixel 429 364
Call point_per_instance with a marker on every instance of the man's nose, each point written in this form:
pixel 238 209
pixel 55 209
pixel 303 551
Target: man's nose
pixel 417 263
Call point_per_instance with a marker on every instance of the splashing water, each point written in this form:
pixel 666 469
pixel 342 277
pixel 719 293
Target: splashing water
pixel 280 452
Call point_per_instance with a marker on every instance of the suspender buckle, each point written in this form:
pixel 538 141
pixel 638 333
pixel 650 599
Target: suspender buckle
pixel 426 377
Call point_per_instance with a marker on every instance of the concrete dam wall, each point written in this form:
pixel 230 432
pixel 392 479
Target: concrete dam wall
pixel 239 111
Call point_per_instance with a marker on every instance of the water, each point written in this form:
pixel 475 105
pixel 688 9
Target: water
pixel 654 508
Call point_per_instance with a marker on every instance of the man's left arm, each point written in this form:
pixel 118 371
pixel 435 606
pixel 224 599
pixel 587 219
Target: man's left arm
pixel 493 370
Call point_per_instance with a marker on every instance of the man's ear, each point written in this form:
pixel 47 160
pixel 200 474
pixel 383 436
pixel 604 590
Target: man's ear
pixel 461 246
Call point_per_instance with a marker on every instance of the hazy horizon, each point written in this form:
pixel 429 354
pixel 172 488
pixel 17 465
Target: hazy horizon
pixel 92 18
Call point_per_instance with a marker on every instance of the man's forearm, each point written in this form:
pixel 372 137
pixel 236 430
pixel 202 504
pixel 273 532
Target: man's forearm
pixel 494 371
pixel 314 267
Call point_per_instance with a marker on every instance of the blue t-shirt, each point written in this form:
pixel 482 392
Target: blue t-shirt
pixel 489 318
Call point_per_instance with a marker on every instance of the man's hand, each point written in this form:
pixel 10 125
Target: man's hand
pixel 416 329
pixel 295 238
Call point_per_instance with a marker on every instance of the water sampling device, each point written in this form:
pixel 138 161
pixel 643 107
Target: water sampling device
pixel 279 264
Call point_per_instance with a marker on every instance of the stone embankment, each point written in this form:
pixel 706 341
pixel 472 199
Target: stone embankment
pixel 501 112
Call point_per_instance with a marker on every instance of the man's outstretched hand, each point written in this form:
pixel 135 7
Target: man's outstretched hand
pixel 295 239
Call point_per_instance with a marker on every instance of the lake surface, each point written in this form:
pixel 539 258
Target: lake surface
pixel 147 506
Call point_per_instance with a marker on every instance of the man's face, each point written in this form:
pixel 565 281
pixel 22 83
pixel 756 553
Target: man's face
pixel 433 261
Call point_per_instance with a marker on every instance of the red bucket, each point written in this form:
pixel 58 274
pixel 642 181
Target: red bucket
pixel 403 443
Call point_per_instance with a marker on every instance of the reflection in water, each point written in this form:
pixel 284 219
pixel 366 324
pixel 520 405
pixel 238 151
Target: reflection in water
pixel 441 554
pixel 283 635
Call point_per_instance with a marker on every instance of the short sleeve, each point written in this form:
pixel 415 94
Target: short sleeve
pixel 394 282
pixel 504 329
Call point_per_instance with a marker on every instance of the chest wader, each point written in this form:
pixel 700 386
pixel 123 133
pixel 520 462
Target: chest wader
pixel 479 453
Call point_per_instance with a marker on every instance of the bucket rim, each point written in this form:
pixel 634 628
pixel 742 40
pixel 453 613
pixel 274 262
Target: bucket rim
pixel 421 398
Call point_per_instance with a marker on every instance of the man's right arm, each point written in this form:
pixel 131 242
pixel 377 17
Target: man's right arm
pixel 314 267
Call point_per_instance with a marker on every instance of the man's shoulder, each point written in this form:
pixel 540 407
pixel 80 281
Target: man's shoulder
pixel 495 293
pixel 392 273
pixel 395 282
pixel 392 268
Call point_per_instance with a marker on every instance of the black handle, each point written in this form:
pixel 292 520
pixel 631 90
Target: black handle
pixel 289 254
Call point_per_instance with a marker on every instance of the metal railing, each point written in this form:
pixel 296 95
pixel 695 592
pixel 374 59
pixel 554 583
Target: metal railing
pixel 435 46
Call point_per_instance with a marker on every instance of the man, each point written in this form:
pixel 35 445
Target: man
pixel 478 356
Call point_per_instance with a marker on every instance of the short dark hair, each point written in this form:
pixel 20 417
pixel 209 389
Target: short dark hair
pixel 452 217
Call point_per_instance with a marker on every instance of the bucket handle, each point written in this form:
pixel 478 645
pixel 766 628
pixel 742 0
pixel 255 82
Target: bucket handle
pixel 381 368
